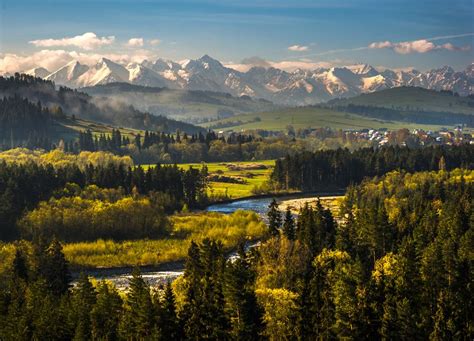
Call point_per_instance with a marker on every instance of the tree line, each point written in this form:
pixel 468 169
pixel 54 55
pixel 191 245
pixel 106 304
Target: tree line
pixel 22 121
pixel 23 186
pixel 397 265
pixel 336 169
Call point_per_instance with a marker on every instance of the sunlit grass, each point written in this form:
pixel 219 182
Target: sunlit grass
pixel 254 177
pixel 229 229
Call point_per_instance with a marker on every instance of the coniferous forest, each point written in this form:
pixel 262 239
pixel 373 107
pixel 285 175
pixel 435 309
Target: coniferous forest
pixel 397 266
pixel 236 170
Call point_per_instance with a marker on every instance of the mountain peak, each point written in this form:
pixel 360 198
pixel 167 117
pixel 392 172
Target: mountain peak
pixel 207 58
pixel 38 72
pixel 279 86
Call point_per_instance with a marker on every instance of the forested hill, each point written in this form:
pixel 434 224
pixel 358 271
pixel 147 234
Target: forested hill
pixel 411 104
pixel 81 105
pixel 188 105
pixel 31 124
pixel 331 169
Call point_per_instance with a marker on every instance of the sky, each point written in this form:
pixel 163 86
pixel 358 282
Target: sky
pixel 421 34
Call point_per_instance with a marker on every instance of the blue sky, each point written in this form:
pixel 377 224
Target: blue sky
pixel 292 32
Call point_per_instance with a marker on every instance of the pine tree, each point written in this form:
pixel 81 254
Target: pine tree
pixel 52 266
pixel 138 319
pixel 83 300
pixel 20 266
pixel 106 313
pixel 274 219
pixel 289 225
pixel 244 311
pixel 203 312
pixel 169 324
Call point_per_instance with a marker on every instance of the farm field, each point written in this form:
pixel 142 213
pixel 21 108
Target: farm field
pixel 308 117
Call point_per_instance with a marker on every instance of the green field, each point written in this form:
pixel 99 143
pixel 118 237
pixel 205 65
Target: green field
pixel 68 128
pixel 253 177
pixel 413 99
pixel 311 117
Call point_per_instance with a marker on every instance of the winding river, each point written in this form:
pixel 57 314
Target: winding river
pixel 162 274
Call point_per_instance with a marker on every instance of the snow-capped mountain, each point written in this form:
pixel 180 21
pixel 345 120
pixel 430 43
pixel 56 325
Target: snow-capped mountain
pixel 105 71
pixel 38 72
pixel 299 87
pixel 68 74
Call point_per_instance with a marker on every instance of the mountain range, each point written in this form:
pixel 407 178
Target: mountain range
pixel 299 87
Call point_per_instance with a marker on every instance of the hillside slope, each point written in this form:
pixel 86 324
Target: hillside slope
pixel 308 117
pixel 81 105
pixel 411 104
pixel 189 105
pixel 412 98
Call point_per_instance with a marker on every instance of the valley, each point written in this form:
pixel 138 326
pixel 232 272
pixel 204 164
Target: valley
pixel 309 117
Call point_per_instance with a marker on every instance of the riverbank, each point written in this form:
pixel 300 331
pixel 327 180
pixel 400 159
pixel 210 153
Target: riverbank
pixel 159 273
pixel 281 195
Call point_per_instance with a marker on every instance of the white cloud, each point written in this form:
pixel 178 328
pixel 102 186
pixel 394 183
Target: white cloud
pixel 298 48
pixel 54 59
pixel 135 42
pixel 86 41
pixel 287 65
pixel 416 46
pixel 155 42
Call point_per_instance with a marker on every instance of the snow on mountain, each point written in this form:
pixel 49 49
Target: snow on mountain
pixel 141 75
pixel 37 72
pixel 68 74
pixel 363 70
pixel 290 88
pixel 105 71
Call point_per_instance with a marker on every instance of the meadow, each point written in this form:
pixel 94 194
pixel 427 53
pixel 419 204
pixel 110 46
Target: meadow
pixel 69 129
pixel 229 229
pixel 249 177
pixel 309 117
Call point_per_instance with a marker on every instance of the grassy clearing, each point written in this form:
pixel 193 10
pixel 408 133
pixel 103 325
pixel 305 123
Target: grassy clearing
pixel 309 117
pixel 252 178
pixel 246 171
pixel 229 229
pixel 78 125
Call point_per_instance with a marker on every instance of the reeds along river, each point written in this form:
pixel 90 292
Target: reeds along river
pixel 168 272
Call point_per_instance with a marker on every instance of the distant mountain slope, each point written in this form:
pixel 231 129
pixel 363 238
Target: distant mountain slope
pixel 80 104
pixel 300 87
pixel 308 117
pixel 189 105
pixel 28 124
pixel 411 104
pixel 412 98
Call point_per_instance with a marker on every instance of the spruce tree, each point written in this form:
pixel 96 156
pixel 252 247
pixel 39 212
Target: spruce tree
pixel 20 266
pixel 203 315
pixel 83 300
pixel 245 313
pixel 169 324
pixel 52 267
pixel 138 319
pixel 274 219
pixel 289 225
pixel 106 313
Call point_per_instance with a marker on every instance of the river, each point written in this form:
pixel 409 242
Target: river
pixel 168 272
